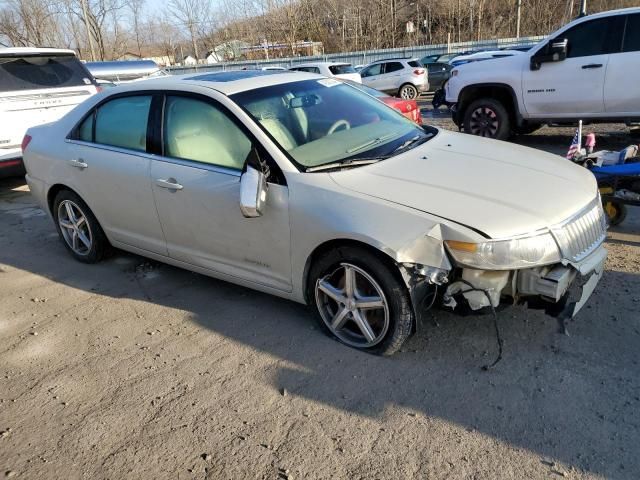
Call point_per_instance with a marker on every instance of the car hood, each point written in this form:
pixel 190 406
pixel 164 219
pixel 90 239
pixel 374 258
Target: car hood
pixel 495 187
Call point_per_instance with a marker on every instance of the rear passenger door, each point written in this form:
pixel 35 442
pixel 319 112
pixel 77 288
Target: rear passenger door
pixel 196 183
pixel 108 163
pixel 622 86
pixel 390 78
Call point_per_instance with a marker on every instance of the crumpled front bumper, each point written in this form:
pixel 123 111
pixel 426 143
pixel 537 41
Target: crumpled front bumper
pixel 561 289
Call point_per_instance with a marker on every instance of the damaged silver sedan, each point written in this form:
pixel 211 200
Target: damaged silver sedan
pixel 309 189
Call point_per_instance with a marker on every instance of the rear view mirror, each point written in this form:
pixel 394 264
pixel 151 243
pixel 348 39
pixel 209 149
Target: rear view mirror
pixel 554 51
pixel 304 101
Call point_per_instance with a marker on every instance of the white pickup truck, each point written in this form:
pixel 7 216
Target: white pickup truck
pixel 587 70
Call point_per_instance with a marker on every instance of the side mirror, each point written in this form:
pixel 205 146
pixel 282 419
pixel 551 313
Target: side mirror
pixel 554 51
pixel 253 187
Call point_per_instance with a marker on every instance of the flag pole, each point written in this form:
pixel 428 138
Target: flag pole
pixel 579 135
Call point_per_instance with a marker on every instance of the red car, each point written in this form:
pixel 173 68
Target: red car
pixel 408 108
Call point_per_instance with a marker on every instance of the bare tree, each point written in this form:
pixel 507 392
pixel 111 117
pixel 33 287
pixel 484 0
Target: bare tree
pixel 190 14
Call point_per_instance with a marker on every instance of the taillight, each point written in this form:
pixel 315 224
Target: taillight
pixel 418 71
pixel 25 142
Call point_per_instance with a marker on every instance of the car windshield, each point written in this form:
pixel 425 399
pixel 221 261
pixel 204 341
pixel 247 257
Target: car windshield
pixel 41 71
pixel 341 69
pixel 324 122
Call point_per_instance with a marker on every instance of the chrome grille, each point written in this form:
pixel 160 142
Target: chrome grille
pixel 583 233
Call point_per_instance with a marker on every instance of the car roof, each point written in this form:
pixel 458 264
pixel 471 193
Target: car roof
pixel 317 64
pixel 395 59
pixel 15 51
pixel 228 83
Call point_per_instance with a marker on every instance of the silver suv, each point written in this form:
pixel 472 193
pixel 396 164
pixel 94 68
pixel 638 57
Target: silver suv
pixel 404 77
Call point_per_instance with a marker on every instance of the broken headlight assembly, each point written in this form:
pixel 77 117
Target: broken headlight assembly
pixel 509 254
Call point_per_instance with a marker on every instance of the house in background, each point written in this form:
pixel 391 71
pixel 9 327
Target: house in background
pixel 212 57
pixel 129 56
pixel 189 61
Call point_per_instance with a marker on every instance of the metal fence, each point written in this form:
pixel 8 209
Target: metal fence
pixel 364 57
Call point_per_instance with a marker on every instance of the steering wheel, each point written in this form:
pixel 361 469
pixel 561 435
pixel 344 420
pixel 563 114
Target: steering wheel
pixel 338 124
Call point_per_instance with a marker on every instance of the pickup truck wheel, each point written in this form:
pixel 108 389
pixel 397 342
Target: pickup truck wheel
pixel 360 300
pixel 487 117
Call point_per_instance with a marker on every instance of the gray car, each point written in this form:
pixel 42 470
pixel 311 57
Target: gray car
pixel 307 188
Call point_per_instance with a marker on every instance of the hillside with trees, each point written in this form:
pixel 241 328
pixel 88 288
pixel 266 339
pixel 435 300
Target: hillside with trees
pixel 110 29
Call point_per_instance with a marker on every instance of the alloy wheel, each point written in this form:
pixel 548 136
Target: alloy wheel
pixel 353 306
pixel 408 92
pixel 74 227
pixel 484 122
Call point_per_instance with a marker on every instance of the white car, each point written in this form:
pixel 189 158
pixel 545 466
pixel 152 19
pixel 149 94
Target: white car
pixel 481 56
pixel 585 71
pixel 37 85
pixel 330 69
pixel 307 188
pixel 406 78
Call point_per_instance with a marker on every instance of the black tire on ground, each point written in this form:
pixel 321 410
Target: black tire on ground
pixel 411 92
pixel 487 117
pixel 401 316
pixel 526 129
pixel 99 243
pixel 616 212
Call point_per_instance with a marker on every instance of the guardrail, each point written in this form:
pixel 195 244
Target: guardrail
pixel 364 57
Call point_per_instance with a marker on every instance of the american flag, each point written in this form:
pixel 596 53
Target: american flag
pixel 575 145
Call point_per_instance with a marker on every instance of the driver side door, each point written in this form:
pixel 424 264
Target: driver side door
pixel 196 183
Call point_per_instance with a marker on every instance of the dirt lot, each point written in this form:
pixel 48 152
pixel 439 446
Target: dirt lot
pixel 133 369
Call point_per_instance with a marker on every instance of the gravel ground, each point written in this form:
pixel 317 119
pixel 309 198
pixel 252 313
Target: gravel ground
pixel 134 369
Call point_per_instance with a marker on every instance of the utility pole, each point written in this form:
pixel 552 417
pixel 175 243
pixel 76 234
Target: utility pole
pixel 89 35
pixel 518 12
pixel 583 8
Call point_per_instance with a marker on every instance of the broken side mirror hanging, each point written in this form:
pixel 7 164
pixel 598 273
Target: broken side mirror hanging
pixel 253 186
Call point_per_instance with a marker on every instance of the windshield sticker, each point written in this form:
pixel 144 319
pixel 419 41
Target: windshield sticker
pixel 329 82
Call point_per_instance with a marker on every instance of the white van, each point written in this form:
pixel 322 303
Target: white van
pixel 37 85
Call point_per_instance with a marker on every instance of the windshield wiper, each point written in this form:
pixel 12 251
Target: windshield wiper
pixel 370 143
pixel 412 142
pixel 356 162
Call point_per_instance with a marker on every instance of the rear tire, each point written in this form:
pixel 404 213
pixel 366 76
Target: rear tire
pixel 78 228
pixel 408 92
pixel 487 117
pixel 350 286
pixel 616 212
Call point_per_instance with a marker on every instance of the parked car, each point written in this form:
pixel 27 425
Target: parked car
pixel 122 71
pixel 306 188
pixel 408 108
pixel 441 57
pixel 404 77
pixel 37 85
pixel 330 69
pixel 438 73
pixel 481 56
pixel 583 71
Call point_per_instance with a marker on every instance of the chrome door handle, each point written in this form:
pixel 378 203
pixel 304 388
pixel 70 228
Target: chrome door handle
pixel 170 183
pixel 78 163
pixel 592 65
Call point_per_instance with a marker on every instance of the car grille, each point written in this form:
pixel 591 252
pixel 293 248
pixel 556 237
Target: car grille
pixel 581 234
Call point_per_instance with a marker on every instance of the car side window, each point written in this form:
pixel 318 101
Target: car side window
pixel 372 70
pixel 594 37
pixel 391 67
pixel 85 130
pixel 122 122
pixel 199 131
pixel 632 34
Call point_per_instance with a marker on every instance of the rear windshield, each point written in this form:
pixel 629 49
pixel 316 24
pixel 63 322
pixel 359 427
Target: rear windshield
pixel 41 71
pixel 341 69
pixel 414 64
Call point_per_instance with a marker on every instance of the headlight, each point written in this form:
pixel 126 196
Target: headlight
pixel 523 252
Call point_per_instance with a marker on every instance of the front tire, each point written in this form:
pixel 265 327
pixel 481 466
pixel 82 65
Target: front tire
pixel 488 118
pixel 361 301
pixel 78 228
